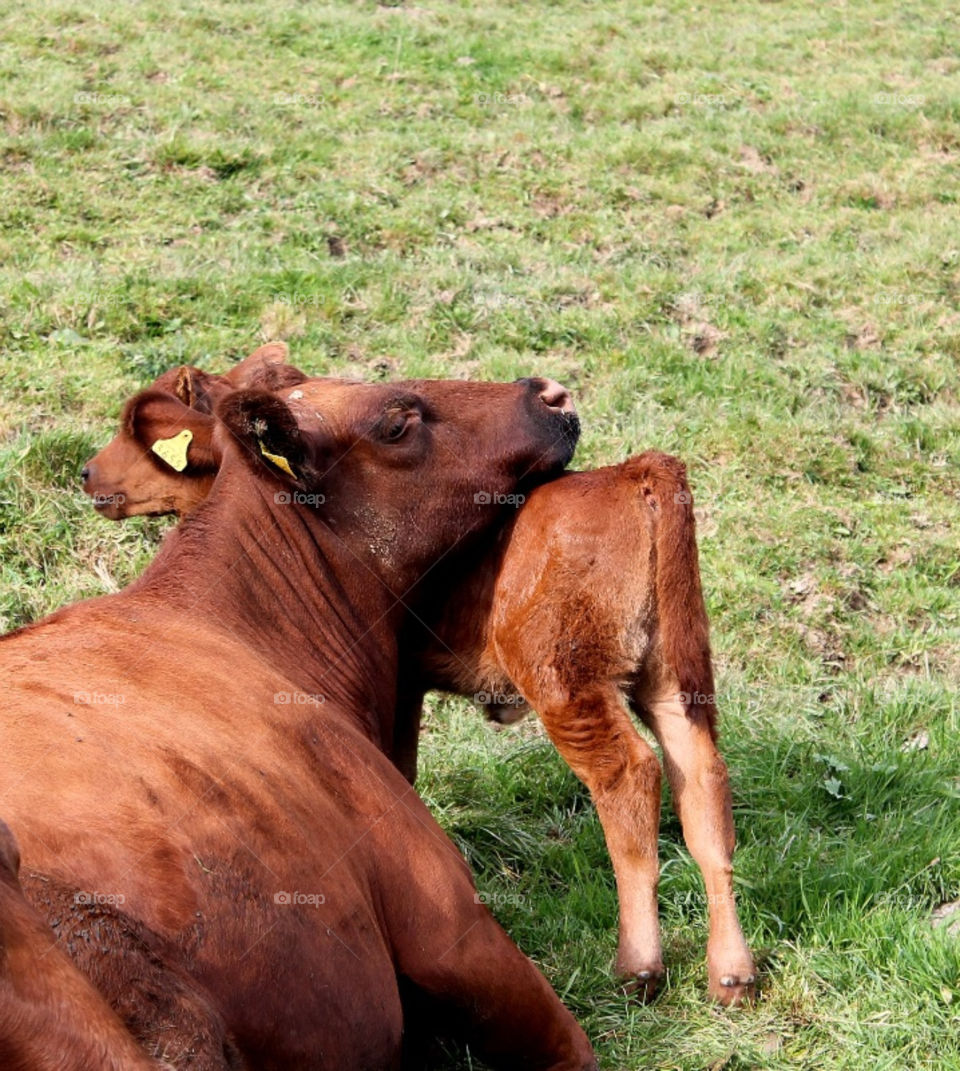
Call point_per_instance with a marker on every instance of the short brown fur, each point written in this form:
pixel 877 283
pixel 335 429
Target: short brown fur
pixel 592 599
pixel 197 802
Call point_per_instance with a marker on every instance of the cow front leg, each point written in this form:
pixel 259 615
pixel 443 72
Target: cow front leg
pixel 406 727
pixel 701 794
pixel 468 976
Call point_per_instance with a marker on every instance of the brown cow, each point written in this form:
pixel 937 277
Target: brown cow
pixel 51 1017
pixel 199 755
pixel 592 599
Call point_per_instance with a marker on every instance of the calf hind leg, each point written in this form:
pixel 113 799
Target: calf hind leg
pixel 595 735
pixel 701 794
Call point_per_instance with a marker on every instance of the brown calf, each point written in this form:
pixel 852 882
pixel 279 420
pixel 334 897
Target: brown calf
pixel 193 766
pixel 128 478
pixel 590 603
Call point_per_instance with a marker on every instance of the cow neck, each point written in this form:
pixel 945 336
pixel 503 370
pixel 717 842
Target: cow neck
pixel 276 577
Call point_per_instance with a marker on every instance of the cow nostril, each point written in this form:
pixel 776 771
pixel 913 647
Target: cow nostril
pixel 550 392
pixel 556 396
pixel 85 473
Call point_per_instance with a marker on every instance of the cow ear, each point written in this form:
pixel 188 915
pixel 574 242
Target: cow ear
pixel 268 431
pixel 180 436
pixel 266 367
pixel 196 388
pixel 272 353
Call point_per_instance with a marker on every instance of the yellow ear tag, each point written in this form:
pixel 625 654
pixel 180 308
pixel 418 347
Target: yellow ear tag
pixel 280 462
pixel 174 451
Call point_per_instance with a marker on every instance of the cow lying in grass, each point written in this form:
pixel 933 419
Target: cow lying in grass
pixel 193 769
pixel 591 603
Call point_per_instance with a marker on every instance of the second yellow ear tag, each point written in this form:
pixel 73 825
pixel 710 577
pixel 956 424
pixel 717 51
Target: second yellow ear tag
pixel 278 460
pixel 174 450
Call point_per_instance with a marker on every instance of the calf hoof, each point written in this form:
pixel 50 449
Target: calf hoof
pixel 733 988
pixel 642 985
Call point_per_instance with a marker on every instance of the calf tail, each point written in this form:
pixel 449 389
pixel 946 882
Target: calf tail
pixel 682 617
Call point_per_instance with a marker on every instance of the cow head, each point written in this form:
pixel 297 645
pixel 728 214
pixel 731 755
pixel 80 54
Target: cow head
pixel 160 462
pixel 403 471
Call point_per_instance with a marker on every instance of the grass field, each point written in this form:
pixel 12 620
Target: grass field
pixel 733 230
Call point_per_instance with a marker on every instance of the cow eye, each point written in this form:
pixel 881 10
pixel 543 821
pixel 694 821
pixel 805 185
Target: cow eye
pixel 394 425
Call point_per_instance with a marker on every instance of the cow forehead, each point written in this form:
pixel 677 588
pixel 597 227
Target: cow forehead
pixel 356 397
pixel 340 402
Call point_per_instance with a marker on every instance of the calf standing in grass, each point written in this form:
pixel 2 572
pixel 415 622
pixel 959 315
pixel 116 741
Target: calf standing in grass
pixel 589 606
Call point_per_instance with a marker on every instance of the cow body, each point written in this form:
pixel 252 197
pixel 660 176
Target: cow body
pixel 158 806
pixel 193 766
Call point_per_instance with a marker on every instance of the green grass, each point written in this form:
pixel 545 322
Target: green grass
pixel 732 230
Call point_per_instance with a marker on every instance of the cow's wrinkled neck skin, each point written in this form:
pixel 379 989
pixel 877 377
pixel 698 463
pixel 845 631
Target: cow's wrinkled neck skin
pixel 276 576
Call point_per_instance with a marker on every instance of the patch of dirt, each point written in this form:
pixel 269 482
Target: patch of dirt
pixel 805 594
pixel 895 558
pixel 947 915
pixel 864 337
pixel 827 648
pixel 486 223
pixel 551 205
pixel 697 332
pixel 281 321
pixel 918 741
pixel 756 163
pixel 703 338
